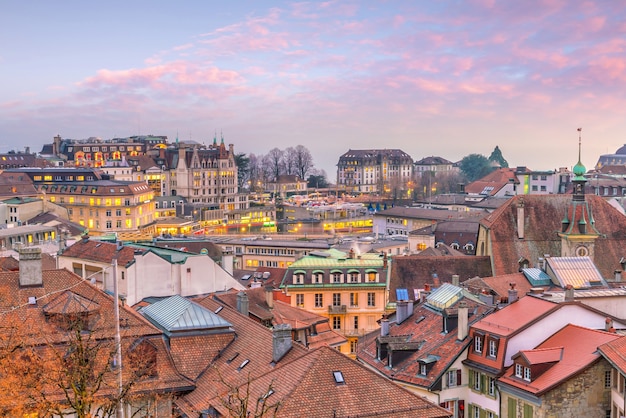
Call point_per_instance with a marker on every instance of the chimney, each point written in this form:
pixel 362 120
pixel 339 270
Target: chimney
pixel 512 293
pixel 30 267
pixel 384 327
pixel 84 238
pixel 436 281
pixel 455 280
pixel 463 321
pixel 618 275
pixel 242 303
pixel 227 261
pixel 520 219
pixel 269 296
pixel 608 325
pixel 569 293
pixel 401 311
pixel 384 260
pixel 281 341
pixel 119 245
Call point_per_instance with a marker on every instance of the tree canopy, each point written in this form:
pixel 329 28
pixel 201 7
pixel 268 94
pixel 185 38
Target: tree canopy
pixel 475 166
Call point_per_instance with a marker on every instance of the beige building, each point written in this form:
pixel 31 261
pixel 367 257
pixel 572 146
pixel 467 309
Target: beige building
pixel 348 288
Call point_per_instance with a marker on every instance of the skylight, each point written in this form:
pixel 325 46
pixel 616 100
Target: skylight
pixel 339 377
pixel 244 364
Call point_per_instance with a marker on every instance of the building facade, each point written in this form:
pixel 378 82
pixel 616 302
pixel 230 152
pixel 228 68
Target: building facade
pixel 374 171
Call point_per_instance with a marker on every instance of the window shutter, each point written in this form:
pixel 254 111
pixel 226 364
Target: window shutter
pixel 528 411
pixel 512 407
pixel 458 377
pixel 483 383
pixel 471 379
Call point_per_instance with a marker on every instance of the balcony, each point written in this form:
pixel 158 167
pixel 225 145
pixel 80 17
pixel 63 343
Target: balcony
pixel 337 309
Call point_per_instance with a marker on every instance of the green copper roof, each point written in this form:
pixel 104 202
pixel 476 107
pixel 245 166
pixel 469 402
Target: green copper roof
pixel 335 258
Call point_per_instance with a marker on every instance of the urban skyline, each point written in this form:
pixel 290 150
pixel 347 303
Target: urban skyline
pixel 446 79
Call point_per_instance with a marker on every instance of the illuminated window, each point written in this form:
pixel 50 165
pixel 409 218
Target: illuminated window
pixel 300 300
pixel 354 299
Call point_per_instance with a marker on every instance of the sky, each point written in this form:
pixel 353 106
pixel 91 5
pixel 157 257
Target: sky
pixel 432 78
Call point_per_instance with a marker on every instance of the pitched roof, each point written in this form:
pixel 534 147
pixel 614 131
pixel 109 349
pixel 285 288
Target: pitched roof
pixel 515 317
pixel 615 352
pixel 326 383
pixel 573 349
pixel 542 222
pixel 499 285
pixel 424 330
pixel 253 343
pixel 99 251
pixel 578 272
pixel 414 272
pixel 175 313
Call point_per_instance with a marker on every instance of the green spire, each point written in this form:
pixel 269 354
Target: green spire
pixel 579 169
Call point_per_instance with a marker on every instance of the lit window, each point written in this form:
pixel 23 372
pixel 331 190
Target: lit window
pixel 300 300
pixel 354 299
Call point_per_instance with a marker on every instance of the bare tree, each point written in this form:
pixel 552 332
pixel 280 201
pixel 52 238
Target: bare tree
pixel 303 161
pixel 240 403
pixel 290 161
pixel 274 160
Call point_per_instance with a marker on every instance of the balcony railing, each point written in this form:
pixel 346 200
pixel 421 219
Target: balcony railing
pixel 337 309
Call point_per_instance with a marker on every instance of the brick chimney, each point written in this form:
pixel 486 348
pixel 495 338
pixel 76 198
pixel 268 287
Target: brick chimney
pixel 30 267
pixel 281 341
pixel 242 303
pixel 569 293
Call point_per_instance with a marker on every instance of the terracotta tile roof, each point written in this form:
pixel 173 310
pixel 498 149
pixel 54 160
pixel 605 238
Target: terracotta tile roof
pixel 615 352
pixel 309 384
pixel 579 349
pixel 499 285
pixel 515 317
pixel 542 222
pixel 253 343
pixel 496 180
pixel 194 353
pixel 9 264
pixel 414 272
pixel 541 356
pixel 63 292
pixel 425 328
pixel 99 251
pixel 284 313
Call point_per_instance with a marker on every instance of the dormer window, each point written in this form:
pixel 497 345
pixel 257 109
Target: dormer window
pixel 493 347
pixel 478 343
pixel 519 370
pixel 423 369
pixel 298 278
pixel 527 374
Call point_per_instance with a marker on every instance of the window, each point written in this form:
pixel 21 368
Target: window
pixel 298 278
pixel 491 386
pixel 336 277
pixel 493 348
pixel 353 346
pixel 354 277
pixel 478 343
pixel 477 380
pixel 371 276
pixel 109 225
pixel 371 299
pixel 336 322
pixel 454 378
pixel 528 411
pixel 354 299
pixel 108 213
pixel 607 379
pixel 118 212
pixel 519 369
pixel 300 300
pixel 356 322
pixel 527 374
pixel 318 277
pixel 319 300
pixel 336 299
pixel 423 369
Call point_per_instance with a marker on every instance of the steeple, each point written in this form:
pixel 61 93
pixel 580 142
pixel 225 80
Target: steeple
pixel 578 233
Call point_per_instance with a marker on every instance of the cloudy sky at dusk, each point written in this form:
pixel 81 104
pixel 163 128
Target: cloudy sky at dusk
pixel 445 78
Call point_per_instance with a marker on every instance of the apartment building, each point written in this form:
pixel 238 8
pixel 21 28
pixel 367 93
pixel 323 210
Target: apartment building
pixel 374 170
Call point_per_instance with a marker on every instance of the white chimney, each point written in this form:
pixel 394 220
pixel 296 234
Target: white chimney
pixel 463 321
pixel 520 220
pixel 401 311
pixel 30 267
pixel 242 303
pixel 455 280
pixel 384 327
pixel 281 341
pixel 269 296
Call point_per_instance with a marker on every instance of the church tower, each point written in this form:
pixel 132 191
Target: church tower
pixel 578 233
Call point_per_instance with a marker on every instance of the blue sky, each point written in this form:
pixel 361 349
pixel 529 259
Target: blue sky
pixel 445 78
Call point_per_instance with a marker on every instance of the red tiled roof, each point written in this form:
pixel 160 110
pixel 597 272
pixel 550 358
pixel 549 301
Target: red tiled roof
pixel 542 222
pixel 515 317
pixel 308 384
pixel 99 251
pixel 580 350
pixel 193 354
pixel 615 352
pixel 424 327
pixel 500 285
pixel 541 356
pixel 413 271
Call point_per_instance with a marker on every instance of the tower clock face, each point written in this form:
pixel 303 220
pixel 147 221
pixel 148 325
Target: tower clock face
pixel 582 251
